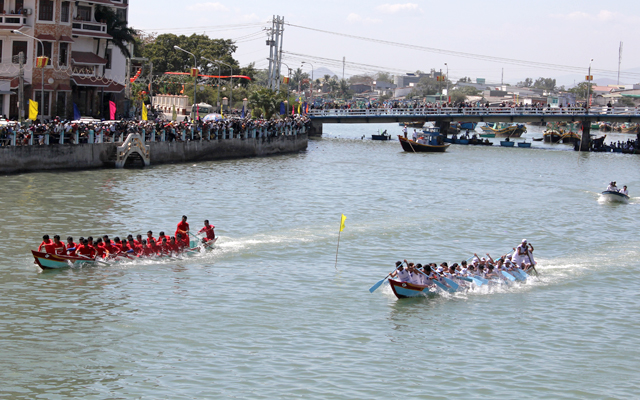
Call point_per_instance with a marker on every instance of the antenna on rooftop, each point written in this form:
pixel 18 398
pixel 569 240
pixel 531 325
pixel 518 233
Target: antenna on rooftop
pixel 619 61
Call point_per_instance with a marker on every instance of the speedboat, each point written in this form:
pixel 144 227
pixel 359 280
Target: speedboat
pixel 614 196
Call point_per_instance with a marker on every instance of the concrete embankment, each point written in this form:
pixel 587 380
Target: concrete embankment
pixel 15 159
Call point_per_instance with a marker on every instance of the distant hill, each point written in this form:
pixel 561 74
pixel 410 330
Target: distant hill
pixel 319 73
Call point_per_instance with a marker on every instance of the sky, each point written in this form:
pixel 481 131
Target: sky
pixel 496 40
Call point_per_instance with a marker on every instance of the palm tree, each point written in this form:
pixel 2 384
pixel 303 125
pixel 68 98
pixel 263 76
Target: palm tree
pixel 121 34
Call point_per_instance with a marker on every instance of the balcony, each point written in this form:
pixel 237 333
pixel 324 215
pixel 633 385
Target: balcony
pixel 12 21
pixel 90 29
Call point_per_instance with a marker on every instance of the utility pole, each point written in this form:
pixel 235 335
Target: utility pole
pixel 271 42
pixel 151 83
pixel 281 37
pixel 21 88
pixel 502 79
pixel 343 62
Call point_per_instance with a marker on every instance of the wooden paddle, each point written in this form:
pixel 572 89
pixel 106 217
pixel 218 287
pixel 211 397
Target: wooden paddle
pixel 94 259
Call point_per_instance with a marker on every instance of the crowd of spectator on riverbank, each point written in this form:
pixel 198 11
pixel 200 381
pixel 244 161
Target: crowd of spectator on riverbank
pixel 86 131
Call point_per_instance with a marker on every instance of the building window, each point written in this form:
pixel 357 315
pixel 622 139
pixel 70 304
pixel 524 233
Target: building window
pixel 63 54
pixel 48 46
pixel 2 7
pixel 84 13
pixel 45 10
pixel 65 9
pixel 19 6
pixel 1 46
pixel 45 108
pixel 122 14
pixel 18 47
pixel 108 57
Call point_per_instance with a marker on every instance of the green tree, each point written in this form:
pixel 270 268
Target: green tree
pixel 343 89
pixel 526 83
pixel 427 86
pixel 545 83
pixel 166 58
pixel 461 94
pixel 581 90
pixel 265 101
pixel 121 34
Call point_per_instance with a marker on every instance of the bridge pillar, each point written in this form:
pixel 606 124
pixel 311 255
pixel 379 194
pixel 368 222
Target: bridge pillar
pixel 315 129
pixel 585 142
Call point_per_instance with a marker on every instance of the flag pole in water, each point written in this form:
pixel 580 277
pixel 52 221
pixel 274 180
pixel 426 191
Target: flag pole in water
pixel 338 247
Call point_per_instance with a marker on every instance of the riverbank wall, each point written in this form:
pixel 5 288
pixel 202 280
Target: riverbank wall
pixel 18 159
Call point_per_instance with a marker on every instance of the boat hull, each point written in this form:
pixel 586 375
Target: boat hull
pixel 414 147
pixel 55 261
pixel 404 290
pixel 615 197
pixel 525 145
pixel 504 143
pixel 380 137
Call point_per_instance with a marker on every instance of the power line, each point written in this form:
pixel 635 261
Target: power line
pixel 481 57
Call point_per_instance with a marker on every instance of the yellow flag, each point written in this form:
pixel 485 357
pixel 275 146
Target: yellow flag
pixel 144 112
pixel 33 110
pixel 342 222
pixel 299 109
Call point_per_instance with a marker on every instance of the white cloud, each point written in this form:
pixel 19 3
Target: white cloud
pixel 210 6
pixel 355 18
pixel 602 16
pixel 394 8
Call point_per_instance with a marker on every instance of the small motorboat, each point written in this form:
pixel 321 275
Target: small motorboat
pixel 524 144
pixel 538 139
pixel 616 197
pixel 381 136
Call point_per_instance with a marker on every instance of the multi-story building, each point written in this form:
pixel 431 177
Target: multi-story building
pixel 85 68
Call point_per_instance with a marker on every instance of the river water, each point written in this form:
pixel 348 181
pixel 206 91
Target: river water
pixel 268 315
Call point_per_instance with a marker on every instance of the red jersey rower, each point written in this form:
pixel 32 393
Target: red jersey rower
pixel 183 231
pixel 59 247
pixel 85 250
pixel 209 231
pixel 71 246
pixel 47 244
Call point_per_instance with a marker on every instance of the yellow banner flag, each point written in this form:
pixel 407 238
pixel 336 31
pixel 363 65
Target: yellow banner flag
pixel 344 218
pixel 144 112
pixel 33 110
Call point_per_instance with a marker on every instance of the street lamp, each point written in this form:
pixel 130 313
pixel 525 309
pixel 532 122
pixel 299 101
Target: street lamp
pixel 589 79
pixel 40 109
pixel 447 78
pixel 310 83
pixel 195 78
pixel 230 81
pixel 218 64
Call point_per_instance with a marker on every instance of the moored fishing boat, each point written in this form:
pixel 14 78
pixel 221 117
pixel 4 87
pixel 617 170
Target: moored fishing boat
pixel 616 197
pixel 570 137
pixel 552 136
pixel 431 141
pixel 524 144
pixel 504 130
pixel 507 143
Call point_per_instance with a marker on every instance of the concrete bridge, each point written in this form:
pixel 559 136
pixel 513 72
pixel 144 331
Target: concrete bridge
pixel 443 116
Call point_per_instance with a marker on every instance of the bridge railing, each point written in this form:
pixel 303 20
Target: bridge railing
pixel 495 111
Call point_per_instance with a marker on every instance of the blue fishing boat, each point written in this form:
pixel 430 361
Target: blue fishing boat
pixel 468 125
pixel 505 143
pixel 524 144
